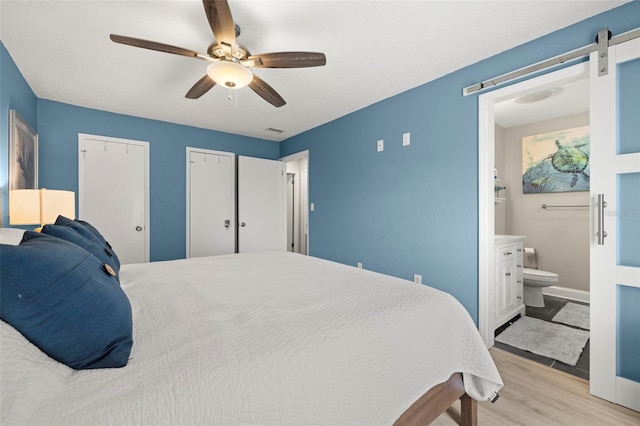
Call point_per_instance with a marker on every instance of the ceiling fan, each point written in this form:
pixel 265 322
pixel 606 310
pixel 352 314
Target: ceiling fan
pixel 230 61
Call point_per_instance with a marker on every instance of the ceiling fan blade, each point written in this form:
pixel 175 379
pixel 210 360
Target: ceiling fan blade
pixel 201 87
pixel 152 45
pixel 289 60
pixel 266 92
pixel 221 22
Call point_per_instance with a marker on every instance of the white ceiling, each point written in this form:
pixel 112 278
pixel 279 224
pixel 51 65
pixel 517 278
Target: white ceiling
pixel 374 49
pixel 570 98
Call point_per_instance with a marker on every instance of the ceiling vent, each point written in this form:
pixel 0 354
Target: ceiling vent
pixel 274 130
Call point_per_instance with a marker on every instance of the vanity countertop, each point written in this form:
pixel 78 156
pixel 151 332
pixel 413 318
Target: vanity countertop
pixel 505 239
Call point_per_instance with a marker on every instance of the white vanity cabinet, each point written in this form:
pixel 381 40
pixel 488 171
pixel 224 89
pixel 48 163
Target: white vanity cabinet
pixel 508 289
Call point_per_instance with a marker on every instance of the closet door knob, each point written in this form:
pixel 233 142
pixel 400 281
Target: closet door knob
pixel 138 228
pixel 242 224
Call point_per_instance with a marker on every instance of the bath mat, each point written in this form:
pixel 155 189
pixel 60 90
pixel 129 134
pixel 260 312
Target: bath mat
pixel 573 314
pixel 544 338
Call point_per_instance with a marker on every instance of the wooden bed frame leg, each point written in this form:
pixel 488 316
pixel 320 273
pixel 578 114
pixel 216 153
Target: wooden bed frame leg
pixel 469 410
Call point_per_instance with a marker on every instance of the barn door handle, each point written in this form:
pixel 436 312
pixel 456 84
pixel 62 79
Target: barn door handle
pixel 138 228
pixel 602 234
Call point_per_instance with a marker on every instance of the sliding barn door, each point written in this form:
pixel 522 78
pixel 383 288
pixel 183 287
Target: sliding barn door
pixel 113 193
pixel 210 203
pixel 615 242
pixel 262 202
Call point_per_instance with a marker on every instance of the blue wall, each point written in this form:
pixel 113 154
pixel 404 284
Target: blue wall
pixel 414 210
pixel 16 94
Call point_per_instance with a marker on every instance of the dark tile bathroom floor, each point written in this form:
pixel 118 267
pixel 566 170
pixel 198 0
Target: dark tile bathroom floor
pixel 552 306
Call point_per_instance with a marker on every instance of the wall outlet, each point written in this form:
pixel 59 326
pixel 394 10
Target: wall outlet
pixel 359 265
pixel 406 139
pixel 380 145
pixel 417 279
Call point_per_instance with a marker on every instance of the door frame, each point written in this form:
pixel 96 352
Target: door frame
pixel 305 211
pixel 486 158
pixel 291 195
pixel 188 193
pixel 145 145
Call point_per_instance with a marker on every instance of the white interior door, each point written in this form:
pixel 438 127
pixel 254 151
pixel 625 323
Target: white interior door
pixel 113 193
pixel 262 205
pixel 615 258
pixel 210 203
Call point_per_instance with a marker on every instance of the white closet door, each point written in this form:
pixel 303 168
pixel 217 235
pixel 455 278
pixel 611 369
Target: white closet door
pixel 261 205
pixel 113 193
pixel 210 203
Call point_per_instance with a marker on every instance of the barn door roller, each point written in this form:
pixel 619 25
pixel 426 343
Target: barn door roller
pixel 602 39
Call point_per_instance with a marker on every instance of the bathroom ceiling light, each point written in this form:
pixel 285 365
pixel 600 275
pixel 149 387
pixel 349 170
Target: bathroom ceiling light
pixel 538 96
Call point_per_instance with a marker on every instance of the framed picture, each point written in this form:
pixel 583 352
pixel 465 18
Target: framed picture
pixel 556 161
pixel 23 154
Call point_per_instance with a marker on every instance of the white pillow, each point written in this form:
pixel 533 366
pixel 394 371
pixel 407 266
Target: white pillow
pixel 11 236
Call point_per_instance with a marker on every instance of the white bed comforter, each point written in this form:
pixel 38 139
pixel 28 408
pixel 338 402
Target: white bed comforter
pixel 259 339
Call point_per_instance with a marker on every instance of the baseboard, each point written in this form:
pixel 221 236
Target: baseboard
pixel 567 293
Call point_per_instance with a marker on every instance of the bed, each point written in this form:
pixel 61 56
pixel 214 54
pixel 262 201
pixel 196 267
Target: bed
pixel 263 338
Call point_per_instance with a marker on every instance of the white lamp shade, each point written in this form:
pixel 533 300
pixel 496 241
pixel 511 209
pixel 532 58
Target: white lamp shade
pixel 229 74
pixel 40 206
pixel 54 203
pixel 24 206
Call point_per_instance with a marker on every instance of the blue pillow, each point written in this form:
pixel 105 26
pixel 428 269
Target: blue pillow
pixel 63 299
pixel 88 231
pixel 93 245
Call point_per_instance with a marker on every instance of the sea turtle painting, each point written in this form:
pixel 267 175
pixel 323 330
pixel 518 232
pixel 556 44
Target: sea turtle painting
pixel 570 159
pixel 556 161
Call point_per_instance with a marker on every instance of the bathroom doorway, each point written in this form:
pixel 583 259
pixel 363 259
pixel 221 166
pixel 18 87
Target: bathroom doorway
pixel 558 233
pixel 297 202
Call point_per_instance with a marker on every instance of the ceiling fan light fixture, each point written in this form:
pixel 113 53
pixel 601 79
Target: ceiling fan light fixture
pixel 229 74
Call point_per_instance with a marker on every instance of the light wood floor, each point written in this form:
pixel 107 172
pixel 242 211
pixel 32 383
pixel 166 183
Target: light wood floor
pixel 536 395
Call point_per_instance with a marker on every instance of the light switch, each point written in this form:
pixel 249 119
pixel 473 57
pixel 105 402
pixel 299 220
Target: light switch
pixel 406 139
pixel 312 207
pixel 380 145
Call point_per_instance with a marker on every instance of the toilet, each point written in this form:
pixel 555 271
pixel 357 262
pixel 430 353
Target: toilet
pixel 534 279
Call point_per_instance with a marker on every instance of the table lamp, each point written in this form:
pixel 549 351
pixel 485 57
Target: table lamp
pixel 40 206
